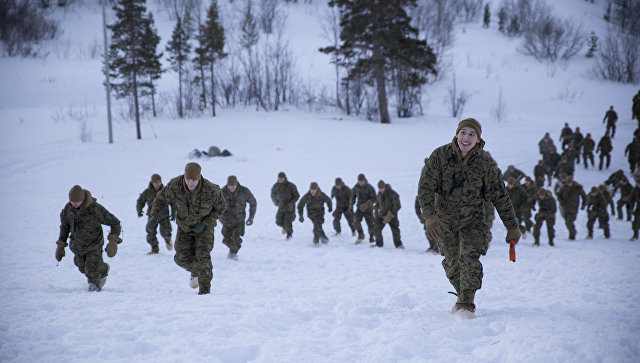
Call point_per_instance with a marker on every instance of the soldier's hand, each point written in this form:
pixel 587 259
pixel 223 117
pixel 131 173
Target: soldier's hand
pixel 301 219
pixel 514 235
pixel 433 227
pixel 140 214
pixel 197 228
pixel 387 218
pixel 249 221
pixel 60 250
pixel 112 246
pixel 152 224
pixel 421 219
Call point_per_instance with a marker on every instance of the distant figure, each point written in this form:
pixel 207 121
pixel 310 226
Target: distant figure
pixel 164 216
pixel 611 117
pixel 387 207
pixel 577 142
pixel 604 148
pixel 625 196
pixel 566 135
pixel 513 172
pixel 519 199
pixel 284 195
pixel 344 205
pixel 571 154
pixel 315 200
pixel 366 197
pixel 632 151
pixel 545 145
pixel 551 162
pixel 597 209
pixel 587 146
pixel 635 108
pixel 546 214
pixel 569 197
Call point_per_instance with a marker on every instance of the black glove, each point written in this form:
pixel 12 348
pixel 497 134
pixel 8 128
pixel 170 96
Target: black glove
pixel 152 224
pixel 140 214
pixel 249 221
pixel 197 228
pixel 60 250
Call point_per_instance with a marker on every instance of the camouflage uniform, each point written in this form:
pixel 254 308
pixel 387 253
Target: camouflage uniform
pixel 366 197
pixel 513 172
pixel 233 218
pixel 551 162
pixel 565 136
pixel 344 205
pixel 539 172
pixel 604 148
pixel 569 198
pixel 633 153
pixel 634 202
pixel 546 213
pixel 285 195
pixel 433 246
pixel 520 201
pixel 86 240
pixel 577 142
pixel 462 185
pixel 597 208
pixel 571 154
pixel 315 211
pixel 611 117
pixel 587 145
pixel 625 196
pixel 146 198
pixel 387 207
pixel 195 209
pixel 532 191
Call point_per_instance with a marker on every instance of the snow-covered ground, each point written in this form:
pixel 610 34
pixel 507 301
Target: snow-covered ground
pixel 288 301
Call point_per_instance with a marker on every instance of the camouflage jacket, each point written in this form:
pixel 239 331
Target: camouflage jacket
pixel 604 145
pixel 517 174
pixel 551 161
pixel 206 205
pixel 546 145
pixel 389 201
pixel 587 145
pixel 634 200
pixel 315 204
pixel 569 196
pixel 462 185
pixel 625 191
pixel 611 117
pixel 343 197
pixel 519 197
pixel 564 167
pixel 539 171
pixel 364 194
pixel 237 203
pixel 285 195
pixel 597 205
pixel 85 224
pixel 146 198
pixel 577 139
pixel 547 206
pixel 615 178
pixel 532 190
pixel 566 133
pixel 571 154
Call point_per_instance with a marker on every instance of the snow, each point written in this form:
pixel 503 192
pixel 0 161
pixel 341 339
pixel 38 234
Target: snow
pixel 288 301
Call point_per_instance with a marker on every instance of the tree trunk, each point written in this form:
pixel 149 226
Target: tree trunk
pixel 381 86
pixel 213 91
pixel 135 103
pixel 153 98
pixel 204 87
pixel 180 111
pixel 347 92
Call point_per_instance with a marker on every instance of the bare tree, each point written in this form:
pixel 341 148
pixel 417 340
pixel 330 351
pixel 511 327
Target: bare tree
pixel 553 39
pixel 619 57
pixel 457 100
pixel 435 20
pixel 331 32
pixel 499 111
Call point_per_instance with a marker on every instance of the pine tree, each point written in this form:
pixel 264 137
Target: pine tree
pixel 249 33
pixel 211 41
pixel 593 45
pixel 127 61
pixel 378 34
pixel 179 49
pixel 152 67
pixel 487 16
pixel 502 20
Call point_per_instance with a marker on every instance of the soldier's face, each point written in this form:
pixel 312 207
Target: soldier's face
pixel 232 188
pixel 313 191
pixel 156 185
pixel 360 182
pixel 76 205
pixel 338 186
pixel 191 184
pixel 280 180
pixel 381 190
pixel 467 139
pixel 510 186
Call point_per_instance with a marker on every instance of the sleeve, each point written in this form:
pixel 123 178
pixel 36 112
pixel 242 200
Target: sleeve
pixel 417 207
pixel 105 217
pixel 64 227
pixel 296 195
pixel 273 194
pixel 497 194
pixel 160 201
pixel 328 201
pixel 252 204
pixel 140 202
pixel 301 204
pixel 430 180
pixel 396 204
pixel 219 206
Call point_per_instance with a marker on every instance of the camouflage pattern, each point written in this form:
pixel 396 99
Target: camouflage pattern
pixel 513 172
pixel 625 198
pixel 203 205
pixel 566 136
pixel 461 186
pixel 364 194
pixel 564 167
pixel 387 202
pixel 315 211
pixel 551 161
pixel 233 218
pixel 83 226
pixel 632 151
pixel 587 147
pixel 634 202
pixel 532 190
pixel 146 198
pixel 569 197
pixel 285 195
pixel 520 201
pixel 344 205
pixel 611 117
pixel 571 154
pixel 433 246
pixel 539 173
pixel 597 209
pixel 546 214
pixel 604 148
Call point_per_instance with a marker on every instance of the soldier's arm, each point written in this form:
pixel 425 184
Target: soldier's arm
pixel 64 227
pixel 301 204
pixel 252 204
pixel 328 201
pixel 554 207
pixel 219 206
pixel 498 196
pixel 417 208
pixel 141 201
pixel 106 218
pixel 274 196
pixel 161 199
pixel 430 180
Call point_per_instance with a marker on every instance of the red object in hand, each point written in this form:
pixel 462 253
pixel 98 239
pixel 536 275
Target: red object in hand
pixel 512 251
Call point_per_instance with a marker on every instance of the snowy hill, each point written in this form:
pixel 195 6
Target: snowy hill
pixel 288 301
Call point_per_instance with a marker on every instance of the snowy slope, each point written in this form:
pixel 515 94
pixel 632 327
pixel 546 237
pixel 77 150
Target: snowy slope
pixel 287 301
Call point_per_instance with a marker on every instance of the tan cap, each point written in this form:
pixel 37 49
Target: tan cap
pixel 76 194
pixel 232 180
pixel 156 178
pixel 470 122
pixel 192 171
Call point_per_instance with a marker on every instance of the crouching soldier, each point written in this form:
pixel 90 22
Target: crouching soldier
pixel 233 218
pixel 315 200
pixel 546 213
pixel 83 218
pixel 198 204
pixel 597 208
pixel 284 195
pixel 146 198
pixel 387 207
pixel 344 205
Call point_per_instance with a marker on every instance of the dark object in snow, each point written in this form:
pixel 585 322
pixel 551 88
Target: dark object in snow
pixel 213 151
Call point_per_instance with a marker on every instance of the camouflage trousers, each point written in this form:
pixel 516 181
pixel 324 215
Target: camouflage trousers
pixel 569 221
pixel 589 156
pixel 284 218
pixel 337 215
pixel 232 232
pixel 368 217
pixel 165 231
pixel 542 218
pixel 635 225
pixel 394 224
pixel 90 263
pixel 602 157
pixel 193 253
pixel 624 203
pixel 318 232
pixel 462 247
pixel 524 216
pixel 603 222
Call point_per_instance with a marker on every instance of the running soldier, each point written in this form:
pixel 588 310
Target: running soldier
pixel 625 198
pixel 387 207
pixel 233 219
pixel 532 190
pixel 632 151
pixel 545 145
pixel 284 195
pixel 604 148
pixel 577 142
pixel 539 172
pixel 587 146
pixel 569 199
pixel 519 199
pixel 315 199
pixel 83 218
pixel 546 213
pixel 566 136
pixel 597 208
pixel 146 198
pixel 344 205
pixel 611 117
pixel 366 196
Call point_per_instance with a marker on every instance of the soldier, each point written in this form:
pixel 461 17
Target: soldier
pixel 577 141
pixel 463 175
pixel 545 144
pixel 546 213
pixel 532 189
pixel 366 196
pixel 597 208
pixel 284 195
pixel 198 204
pixel 233 219
pixel 615 178
pixel 551 163
pixel 632 151
pixel 387 207
pixel 344 205
pixel 433 246
pixel 566 135
pixel 635 108
pixel 519 199
pixel 608 198
pixel 611 117
pixel 539 172
pixel 571 154
pixel 514 172
pixel 604 148
pixel 315 199
pixel 146 198
pixel 564 167
pixel 625 197
pixel 83 218
pixel 587 147
pixel 569 199
pixel 634 202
